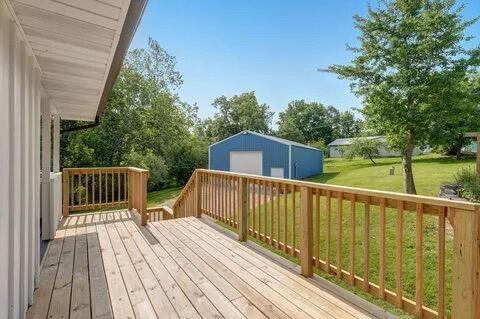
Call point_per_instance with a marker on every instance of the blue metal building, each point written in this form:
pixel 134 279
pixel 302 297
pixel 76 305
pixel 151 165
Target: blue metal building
pixel 254 153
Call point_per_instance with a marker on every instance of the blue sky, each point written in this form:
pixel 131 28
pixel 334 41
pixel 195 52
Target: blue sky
pixel 272 47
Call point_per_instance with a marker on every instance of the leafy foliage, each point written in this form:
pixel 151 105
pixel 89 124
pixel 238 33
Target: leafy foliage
pixel 470 186
pixel 235 114
pixel 144 122
pixel 307 122
pixel 409 69
pixel 365 148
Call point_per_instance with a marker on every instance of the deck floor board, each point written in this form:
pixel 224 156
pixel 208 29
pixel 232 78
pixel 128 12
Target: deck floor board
pixel 103 265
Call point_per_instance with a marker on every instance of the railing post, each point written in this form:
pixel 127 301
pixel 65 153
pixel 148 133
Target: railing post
pixel 242 210
pixel 466 264
pixel 143 197
pixel 306 231
pixel 198 195
pixel 65 192
pixel 130 189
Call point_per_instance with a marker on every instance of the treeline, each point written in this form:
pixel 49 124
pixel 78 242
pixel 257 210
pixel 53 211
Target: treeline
pixel 145 124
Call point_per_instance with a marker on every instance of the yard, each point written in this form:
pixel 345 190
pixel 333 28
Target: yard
pixel 430 171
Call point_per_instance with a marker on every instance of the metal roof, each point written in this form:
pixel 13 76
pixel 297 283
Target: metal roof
pixel 349 141
pixel 273 138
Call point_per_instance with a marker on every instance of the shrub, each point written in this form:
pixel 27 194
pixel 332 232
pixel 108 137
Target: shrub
pixel 159 175
pixel 470 186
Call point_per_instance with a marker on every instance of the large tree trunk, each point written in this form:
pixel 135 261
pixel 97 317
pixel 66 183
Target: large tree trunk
pixel 408 182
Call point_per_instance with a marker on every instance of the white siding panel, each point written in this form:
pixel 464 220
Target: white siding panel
pixel 4 161
pixel 19 166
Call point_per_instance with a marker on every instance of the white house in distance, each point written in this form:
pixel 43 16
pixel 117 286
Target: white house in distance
pixel 344 143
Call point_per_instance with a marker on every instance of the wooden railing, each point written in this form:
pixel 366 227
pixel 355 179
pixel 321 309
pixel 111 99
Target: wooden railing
pixel 102 187
pixel 388 244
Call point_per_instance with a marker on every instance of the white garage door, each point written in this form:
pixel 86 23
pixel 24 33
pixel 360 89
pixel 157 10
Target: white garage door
pixel 246 162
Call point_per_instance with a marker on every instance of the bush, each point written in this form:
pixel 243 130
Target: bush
pixel 320 144
pixel 159 175
pixel 470 187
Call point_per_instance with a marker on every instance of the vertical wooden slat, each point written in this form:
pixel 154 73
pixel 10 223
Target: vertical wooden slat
pixel 253 199
pixel 259 198
pixel 381 276
pixel 285 220
pixel 306 233
pixel 293 221
pixel 399 256
pixel 113 188
pixel 100 190
pixel 441 263
pixel 198 195
pixel 86 188
pixel 277 217
pixel 271 213
pixel 419 261
pixel 366 248
pixel 93 187
pixel 329 231
pixel 265 205
pixel 317 240
pixel 352 239
pixel 339 233
pixel 125 195
pixel 118 175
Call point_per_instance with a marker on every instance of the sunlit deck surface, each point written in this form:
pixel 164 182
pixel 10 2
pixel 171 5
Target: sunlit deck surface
pixel 103 265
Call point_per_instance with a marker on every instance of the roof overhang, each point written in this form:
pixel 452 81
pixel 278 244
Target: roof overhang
pixel 79 47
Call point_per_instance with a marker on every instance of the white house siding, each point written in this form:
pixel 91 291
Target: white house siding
pixel 20 166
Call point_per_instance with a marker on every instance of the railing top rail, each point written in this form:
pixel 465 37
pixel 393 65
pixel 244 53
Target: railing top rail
pixel 420 199
pixel 75 169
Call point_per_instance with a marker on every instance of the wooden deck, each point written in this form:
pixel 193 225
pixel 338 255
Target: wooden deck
pixel 103 265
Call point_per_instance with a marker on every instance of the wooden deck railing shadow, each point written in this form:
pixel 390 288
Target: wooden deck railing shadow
pixel 373 240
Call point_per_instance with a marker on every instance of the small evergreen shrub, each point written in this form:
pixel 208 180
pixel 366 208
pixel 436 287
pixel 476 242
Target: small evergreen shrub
pixel 470 187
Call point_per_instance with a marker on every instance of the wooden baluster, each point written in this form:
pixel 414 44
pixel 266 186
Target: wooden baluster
pixel 198 195
pixel 441 262
pixel 306 233
pixel 339 233
pixel 112 199
pixel 230 202
pixel 277 217
pixel 259 215
pixel 93 188
pixel 366 248
pixel 254 213
pixel 265 205
pixel 271 213
pixel 125 195
pixel 352 239
pixel 106 187
pixel 293 221
pixel 79 188
pixel 317 240
pixel 329 231
pixel 118 177
pixel 419 261
pixel 86 189
pixel 285 220
pixel 399 256
pixel 381 276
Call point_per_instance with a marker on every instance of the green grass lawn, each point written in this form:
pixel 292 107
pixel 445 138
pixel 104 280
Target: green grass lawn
pixel 429 172
pixel 155 198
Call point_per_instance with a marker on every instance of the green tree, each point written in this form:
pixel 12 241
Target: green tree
pixel 238 113
pixel 144 122
pixel 408 68
pixel 363 147
pixel 307 122
pixel 347 125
